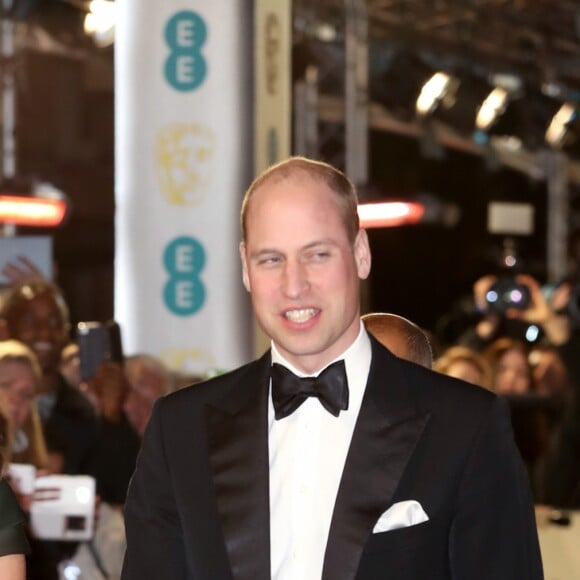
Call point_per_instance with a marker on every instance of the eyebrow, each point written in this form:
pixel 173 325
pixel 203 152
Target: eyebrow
pixel 311 245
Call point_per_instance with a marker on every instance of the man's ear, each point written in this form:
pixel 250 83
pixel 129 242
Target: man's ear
pixel 362 254
pixel 245 276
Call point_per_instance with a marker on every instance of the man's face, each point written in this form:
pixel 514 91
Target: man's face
pixel 302 271
pixel 39 324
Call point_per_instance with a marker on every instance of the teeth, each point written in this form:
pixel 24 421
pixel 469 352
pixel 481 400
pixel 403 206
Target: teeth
pixel 301 315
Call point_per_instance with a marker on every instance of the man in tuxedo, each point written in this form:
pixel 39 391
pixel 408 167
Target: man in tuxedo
pixel 328 458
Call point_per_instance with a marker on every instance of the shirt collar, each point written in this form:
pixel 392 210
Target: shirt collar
pixel 356 357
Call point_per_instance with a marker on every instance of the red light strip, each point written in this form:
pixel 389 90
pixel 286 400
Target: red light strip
pixel 31 211
pixel 390 214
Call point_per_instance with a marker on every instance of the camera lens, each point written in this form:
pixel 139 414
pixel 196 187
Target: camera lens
pixel 506 293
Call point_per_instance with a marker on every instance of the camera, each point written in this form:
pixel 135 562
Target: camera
pixel 507 293
pixel 63 506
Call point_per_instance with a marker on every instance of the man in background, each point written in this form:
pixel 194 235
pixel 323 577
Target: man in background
pixel 401 336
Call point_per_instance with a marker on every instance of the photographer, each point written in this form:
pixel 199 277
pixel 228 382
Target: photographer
pixel 497 301
pixel 559 319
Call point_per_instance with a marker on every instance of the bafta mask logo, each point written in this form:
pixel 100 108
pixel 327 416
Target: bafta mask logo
pixel 184 156
pixel 193 361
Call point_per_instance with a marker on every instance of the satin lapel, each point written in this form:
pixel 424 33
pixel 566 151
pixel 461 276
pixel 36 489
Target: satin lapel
pixel 238 447
pixel 387 431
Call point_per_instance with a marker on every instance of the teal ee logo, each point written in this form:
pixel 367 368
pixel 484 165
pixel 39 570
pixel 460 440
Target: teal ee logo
pixel 185 35
pixel 184 292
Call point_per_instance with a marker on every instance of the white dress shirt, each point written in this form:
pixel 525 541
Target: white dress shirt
pixel 307 453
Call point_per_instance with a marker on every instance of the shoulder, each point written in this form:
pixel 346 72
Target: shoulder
pixel 12 535
pixel 445 390
pixel 435 392
pixel 10 513
pixel 212 390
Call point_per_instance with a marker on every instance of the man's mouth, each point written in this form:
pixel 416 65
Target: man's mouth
pixel 301 314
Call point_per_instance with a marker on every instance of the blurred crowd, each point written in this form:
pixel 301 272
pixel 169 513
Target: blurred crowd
pixel 62 424
pixel 523 344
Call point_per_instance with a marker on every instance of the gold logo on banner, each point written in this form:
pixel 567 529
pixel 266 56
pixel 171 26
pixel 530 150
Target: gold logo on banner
pixel 272 47
pixel 186 359
pixel 184 158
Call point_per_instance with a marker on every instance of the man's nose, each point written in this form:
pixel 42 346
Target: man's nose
pixel 295 279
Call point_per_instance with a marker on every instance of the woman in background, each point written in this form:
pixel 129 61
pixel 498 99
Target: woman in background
pixel 513 379
pixel 20 377
pixel 464 363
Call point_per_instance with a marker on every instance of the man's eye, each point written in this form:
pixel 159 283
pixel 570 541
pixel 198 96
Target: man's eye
pixel 319 256
pixel 268 260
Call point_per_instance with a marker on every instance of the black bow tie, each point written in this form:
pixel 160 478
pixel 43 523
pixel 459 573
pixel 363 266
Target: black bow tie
pixel 290 391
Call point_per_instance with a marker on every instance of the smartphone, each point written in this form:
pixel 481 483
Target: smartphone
pixel 98 342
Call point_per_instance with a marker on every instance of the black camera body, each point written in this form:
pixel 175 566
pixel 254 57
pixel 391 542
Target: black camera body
pixel 507 293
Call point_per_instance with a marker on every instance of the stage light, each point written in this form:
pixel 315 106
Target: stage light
pixel 492 108
pixel 390 214
pixel 40 206
pixel 22 211
pixel 99 22
pixel 558 129
pixel 439 87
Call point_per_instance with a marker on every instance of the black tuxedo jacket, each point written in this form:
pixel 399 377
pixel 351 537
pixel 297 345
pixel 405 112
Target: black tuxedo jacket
pixel 198 506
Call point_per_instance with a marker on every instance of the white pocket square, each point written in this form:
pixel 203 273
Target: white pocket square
pixel 401 515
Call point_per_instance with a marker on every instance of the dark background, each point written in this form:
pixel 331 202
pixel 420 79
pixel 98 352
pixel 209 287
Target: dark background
pixel 65 135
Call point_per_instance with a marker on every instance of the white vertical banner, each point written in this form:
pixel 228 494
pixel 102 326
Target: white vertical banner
pixel 183 161
pixel 273 81
pixel 273 95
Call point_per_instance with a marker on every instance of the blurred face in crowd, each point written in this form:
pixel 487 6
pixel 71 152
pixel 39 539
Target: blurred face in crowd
pixel 17 391
pixel 39 323
pixel 466 371
pixel 302 270
pixel 145 387
pixel 70 364
pixel 550 376
pixel 512 375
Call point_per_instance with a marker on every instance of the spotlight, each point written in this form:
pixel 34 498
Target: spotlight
pixel 100 22
pixel 390 214
pixel 441 86
pixel 423 209
pixel 41 205
pixel 557 131
pixel 494 105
